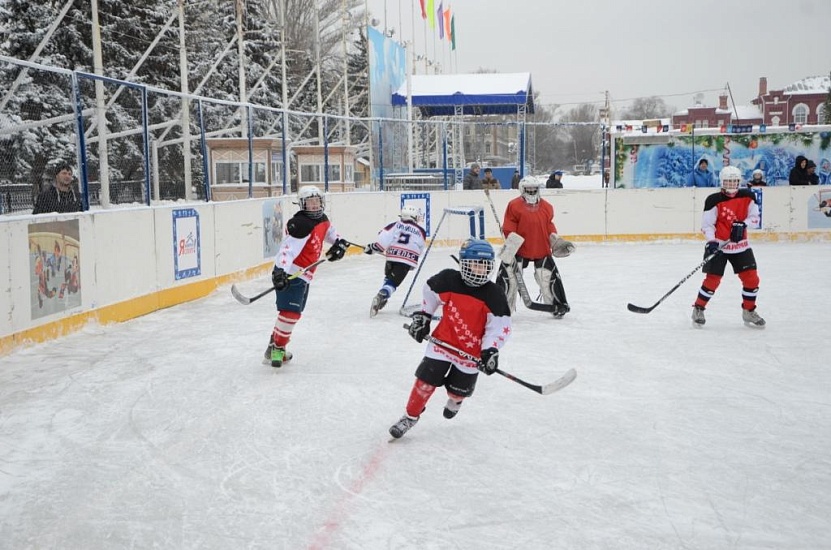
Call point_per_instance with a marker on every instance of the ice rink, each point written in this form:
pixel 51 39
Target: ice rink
pixel 169 432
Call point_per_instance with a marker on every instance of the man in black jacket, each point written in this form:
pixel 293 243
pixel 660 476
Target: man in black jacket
pixel 59 197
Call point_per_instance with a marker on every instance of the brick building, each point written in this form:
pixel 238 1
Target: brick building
pixel 797 103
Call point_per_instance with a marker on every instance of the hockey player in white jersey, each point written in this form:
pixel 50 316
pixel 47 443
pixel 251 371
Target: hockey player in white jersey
pixel 402 243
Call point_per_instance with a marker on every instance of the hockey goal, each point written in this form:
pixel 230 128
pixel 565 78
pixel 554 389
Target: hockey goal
pixel 457 224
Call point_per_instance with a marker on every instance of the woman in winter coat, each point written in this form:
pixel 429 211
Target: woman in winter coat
pixel 799 172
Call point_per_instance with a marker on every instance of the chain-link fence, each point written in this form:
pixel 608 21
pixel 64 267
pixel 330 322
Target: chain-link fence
pixel 141 145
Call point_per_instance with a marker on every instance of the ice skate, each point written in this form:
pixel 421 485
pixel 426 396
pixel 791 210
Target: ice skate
pixel 698 316
pixel 752 319
pixel 378 303
pixel 275 356
pixel 560 310
pixel 403 426
pixel 451 408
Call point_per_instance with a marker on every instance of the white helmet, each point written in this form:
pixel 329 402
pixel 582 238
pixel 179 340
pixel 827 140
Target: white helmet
pixel 731 178
pixel 410 213
pixel 313 209
pixel 529 188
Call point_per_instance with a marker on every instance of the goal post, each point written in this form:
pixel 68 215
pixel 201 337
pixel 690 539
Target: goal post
pixel 460 223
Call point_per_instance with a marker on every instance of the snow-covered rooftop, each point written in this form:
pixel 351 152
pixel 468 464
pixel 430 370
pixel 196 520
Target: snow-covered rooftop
pixel 809 85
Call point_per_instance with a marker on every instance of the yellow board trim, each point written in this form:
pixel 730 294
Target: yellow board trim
pixel 169 297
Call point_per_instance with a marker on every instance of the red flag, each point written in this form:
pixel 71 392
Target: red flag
pixel 423 9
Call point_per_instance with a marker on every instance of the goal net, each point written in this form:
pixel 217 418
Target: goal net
pixel 457 224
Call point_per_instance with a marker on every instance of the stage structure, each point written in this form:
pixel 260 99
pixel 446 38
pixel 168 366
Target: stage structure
pixel 441 104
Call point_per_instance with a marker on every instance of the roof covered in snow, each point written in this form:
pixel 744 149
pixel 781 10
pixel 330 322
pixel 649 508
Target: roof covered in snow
pixel 809 85
pixel 477 94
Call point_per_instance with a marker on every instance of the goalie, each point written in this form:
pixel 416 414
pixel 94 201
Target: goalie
pixel 531 236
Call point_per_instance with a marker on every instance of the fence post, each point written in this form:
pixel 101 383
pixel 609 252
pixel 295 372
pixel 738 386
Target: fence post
pixel 206 170
pixel 80 140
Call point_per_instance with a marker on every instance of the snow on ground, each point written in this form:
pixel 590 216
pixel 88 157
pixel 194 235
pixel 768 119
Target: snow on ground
pixel 168 432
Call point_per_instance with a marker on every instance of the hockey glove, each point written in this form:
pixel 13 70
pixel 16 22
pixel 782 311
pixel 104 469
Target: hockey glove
pixel 420 326
pixel 372 248
pixel 489 361
pixel 737 232
pixel 560 248
pixel 337 250
pixel 279 279
pixel 711 248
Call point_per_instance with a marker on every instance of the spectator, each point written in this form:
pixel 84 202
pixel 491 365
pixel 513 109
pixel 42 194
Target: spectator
pixel 59 197
pixel 810 170
pixel 555 180
pixel 701 176
pixel 757 179
pixel 472 180
pixel 490 182
pixel 515 180
pixel 799 172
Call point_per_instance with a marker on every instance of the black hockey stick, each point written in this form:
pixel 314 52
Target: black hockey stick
pixel 547 389
pixel 639 309
pixel 517 272
pixel 245 300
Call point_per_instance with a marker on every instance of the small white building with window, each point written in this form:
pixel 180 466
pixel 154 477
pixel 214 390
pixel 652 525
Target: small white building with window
pixel 230 171
pixel 314 160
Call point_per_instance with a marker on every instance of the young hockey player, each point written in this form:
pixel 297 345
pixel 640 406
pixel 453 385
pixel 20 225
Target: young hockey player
pixel 475 317
pixel 306 233
pixel 724 224
pixel 532 218
pixel 402 243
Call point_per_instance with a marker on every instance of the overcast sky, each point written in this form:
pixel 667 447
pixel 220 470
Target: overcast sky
pixel 576 50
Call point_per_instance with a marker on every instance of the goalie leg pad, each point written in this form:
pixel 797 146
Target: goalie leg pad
pixel 513 242
pixel 543 278
pixel 506 280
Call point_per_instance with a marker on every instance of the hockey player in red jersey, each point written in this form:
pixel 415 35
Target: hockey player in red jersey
pixel 475 318
pixel 402 242
pixel 306 233
pixel 724 224
pixel 532 218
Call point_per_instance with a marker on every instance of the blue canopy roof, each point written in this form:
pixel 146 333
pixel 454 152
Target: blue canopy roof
pixel 477 94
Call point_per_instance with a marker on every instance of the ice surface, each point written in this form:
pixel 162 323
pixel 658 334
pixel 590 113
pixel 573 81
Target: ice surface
pixel 168 432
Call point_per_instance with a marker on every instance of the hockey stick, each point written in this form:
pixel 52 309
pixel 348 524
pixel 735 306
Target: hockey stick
pixel 245 300
pixel 517 272
pixel 547 389
pixel 639 309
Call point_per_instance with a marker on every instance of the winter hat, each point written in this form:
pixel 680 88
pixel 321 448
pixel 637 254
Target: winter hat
pixel 811 164
pixel 61 166
pixel 474 166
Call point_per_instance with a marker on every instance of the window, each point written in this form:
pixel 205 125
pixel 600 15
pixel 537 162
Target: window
pixel 276 173
pixel 236 173
pixel 821 114
pixel 334 172
pixel 800 114
pixel 349 173
pixel 310 173
pixel 775 121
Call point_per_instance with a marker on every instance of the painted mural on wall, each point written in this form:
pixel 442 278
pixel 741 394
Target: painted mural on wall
pixel 672 164
pixel 54 267
pixel 819 209
pixel 272 227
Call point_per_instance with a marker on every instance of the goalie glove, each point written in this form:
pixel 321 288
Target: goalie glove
pixel 419 328
pixel 560 248
pixel 489 361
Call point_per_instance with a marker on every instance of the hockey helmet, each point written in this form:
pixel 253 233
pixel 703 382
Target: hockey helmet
pixel 410 213
pixel 731 178
pixel 476 258
pixel 529 189
pixel 306 199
